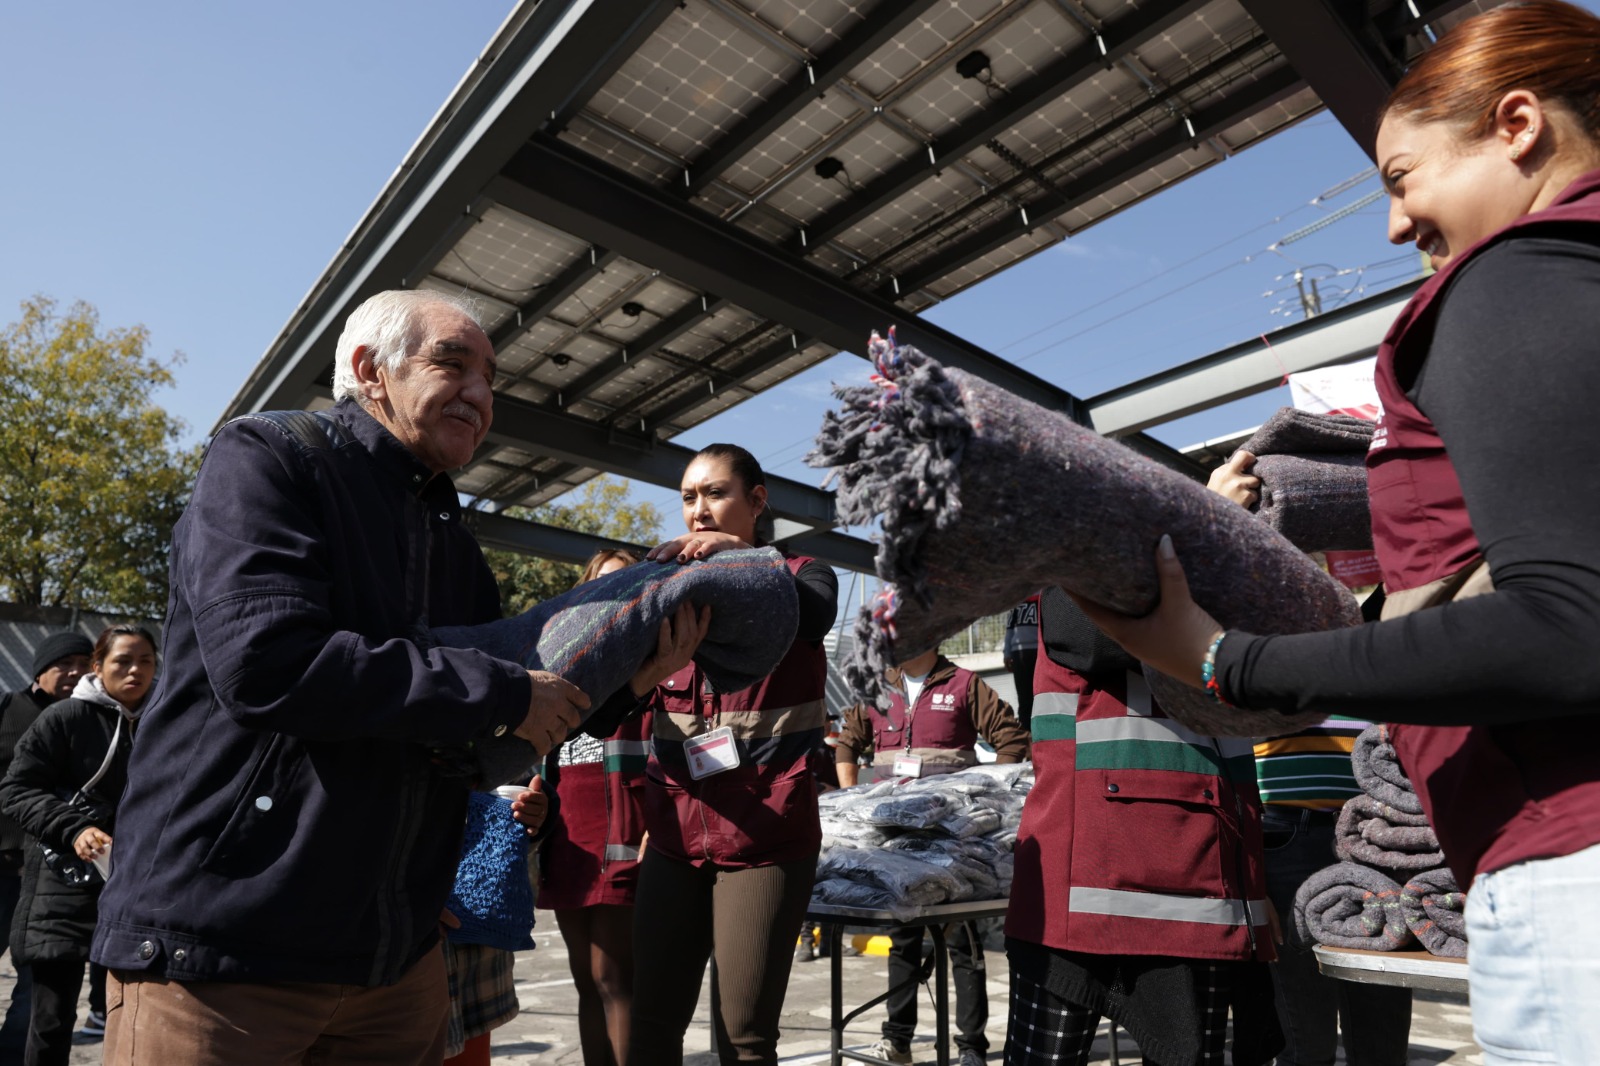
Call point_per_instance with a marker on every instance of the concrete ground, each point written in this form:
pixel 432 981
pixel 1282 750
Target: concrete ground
pixel 546 1032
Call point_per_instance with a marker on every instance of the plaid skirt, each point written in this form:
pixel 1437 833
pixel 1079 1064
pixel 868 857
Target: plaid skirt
pixel 482 993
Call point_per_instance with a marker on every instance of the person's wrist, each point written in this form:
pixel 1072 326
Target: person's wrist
pixel 1209 681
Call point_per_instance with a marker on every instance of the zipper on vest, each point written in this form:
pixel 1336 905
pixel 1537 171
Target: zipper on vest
pixel 1239 857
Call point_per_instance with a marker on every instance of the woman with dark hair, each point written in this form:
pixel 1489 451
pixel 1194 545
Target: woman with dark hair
pixel 589 864
pixel 77 748
pixel 733 843
pixel 1485 499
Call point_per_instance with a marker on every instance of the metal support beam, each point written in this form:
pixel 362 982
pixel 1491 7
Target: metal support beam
pixel 575 440
pixel 1244 100
pixel 858 43
pixel 1337 59
pixel 751 366
pixel 1074 68
pixel 551 295
pixel 555 48
pixel 662 334
pixel 1352 332
pixel 549 181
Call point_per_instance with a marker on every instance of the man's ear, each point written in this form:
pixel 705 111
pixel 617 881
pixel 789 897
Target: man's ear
pixel 369 382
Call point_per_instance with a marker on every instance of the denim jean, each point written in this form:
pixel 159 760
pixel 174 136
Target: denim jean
pixel 1315 1010
pixel 1534 960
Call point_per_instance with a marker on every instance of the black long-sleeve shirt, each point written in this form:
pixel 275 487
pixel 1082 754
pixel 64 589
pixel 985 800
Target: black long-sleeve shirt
pixel 1512 382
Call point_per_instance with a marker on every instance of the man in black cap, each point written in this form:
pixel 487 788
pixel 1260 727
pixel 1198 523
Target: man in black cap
pixel 58 662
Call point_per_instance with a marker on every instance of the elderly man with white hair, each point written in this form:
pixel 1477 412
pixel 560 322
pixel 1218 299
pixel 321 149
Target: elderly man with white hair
pixel 289 833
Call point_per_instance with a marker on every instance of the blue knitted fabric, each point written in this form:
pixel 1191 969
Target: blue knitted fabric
pixel 493 895
pixel 598 634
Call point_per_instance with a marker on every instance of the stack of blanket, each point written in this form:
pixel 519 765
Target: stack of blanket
pixel 1392 888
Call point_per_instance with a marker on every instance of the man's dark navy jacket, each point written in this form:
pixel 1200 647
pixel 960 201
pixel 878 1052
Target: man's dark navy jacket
pixel 283 819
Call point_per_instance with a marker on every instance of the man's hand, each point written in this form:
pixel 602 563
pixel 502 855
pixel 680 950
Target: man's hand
pixel 1234 480
pixel 532 807
pixel 676 644
pixel 90 843
pixel 553 712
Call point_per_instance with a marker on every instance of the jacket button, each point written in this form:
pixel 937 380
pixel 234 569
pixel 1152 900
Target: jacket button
pixel 670 682
pixel 179 955
pixel 1207 794
pixel 263 803
pixel 1111 788
pixel 147 950
pixel 499 730
pixel 444 516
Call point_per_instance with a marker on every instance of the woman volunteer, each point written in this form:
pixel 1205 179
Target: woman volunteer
pixel 731 853
pixel 1485 494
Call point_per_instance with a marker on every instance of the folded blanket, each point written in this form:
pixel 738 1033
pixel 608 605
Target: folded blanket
pixel 1351 906
pixel 1378 772
pixel 598 634
pixel 1314 479
pixel 1371 832
pixel 1434 910
pixel 985 498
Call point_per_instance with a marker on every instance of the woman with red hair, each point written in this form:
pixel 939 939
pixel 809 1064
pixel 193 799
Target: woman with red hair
pixel 1485 494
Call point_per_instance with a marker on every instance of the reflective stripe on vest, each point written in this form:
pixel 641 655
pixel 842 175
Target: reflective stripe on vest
pixel 1136 743
pixel 1055 716
pixel 626 756
pixel 930 756
pixel 746 725
pixel 1119 904
pixel 621 853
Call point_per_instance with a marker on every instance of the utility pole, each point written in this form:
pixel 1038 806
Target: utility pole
pixel 1310 302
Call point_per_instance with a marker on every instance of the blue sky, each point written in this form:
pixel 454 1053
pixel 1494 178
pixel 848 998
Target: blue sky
pixel 194 166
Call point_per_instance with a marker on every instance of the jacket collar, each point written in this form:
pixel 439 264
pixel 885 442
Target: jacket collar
pixel 395 459
pixel 941 670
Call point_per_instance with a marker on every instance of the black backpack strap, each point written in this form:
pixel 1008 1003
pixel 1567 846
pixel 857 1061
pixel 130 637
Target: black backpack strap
pixel 312 430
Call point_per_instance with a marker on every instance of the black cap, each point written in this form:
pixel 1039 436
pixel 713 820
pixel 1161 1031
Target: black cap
pixel 58 646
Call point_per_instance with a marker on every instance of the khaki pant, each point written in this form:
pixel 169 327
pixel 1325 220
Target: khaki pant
pixel 156 1022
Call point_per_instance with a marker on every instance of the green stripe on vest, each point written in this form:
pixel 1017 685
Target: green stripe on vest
pixel 1160 755
pixel 1053 727
pixel 626 764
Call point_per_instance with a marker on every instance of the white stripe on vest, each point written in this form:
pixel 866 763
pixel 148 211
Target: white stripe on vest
pixel 621 853
pixel 1166 730
pixel 1046 703
pixel 1120 904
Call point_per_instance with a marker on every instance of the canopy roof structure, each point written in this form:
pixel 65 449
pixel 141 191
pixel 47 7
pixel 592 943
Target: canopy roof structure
pixel 668 206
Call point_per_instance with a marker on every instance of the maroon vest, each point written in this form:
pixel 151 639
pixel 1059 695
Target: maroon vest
pixel 1495 795
pixel 942 717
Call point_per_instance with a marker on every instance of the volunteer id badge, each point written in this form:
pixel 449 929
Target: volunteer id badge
pixel 712 753
pixel 908 766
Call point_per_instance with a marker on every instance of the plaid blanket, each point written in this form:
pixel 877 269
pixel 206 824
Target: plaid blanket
pixel 483 994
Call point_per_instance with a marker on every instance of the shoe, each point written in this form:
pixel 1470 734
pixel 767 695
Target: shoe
pixel 886 1050
pixel 94 1026
pixel 970 1057
pixel 803 951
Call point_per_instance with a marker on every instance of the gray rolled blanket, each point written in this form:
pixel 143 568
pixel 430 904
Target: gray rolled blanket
pixel 1434 910
pixel 598 634
pixel 985 498
pixel 1351 906
pixel 1378 772
pixel 1372 832
pixel 1314 479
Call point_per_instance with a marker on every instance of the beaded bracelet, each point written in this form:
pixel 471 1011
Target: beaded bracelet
pixel 1208 671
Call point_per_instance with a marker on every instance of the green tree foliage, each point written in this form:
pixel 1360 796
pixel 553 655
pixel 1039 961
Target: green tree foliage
pixel 91 475
pixel 601 508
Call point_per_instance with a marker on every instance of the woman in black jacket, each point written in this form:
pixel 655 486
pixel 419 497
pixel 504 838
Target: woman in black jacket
pixel 78 744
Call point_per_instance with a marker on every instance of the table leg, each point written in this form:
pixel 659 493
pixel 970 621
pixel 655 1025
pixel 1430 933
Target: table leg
pixel 1111 1033
pixel 941 995
pixel 834 936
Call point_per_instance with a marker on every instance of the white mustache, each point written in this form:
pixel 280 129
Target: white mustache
pixel 466 411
